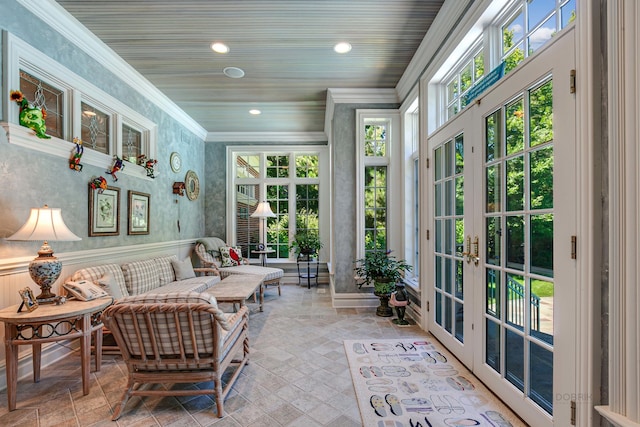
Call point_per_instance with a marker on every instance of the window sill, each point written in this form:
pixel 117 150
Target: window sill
pixel 614 418
pixel 24 137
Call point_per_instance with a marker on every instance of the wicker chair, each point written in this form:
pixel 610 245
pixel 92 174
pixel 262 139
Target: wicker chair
pixel 272 276
pixel 178 338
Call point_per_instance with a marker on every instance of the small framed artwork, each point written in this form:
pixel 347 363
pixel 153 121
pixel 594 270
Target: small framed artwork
pixel 104 212
pixel 28 300
pixel 139 212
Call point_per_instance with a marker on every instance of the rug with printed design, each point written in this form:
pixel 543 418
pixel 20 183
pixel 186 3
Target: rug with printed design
pixel 417 383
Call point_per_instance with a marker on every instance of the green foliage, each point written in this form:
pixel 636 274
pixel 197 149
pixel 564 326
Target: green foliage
pixel 381 269
pixel 306 242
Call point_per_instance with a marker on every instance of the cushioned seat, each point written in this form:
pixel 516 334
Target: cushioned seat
pixel 208 252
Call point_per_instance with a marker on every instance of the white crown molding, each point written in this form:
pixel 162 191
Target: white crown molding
pixel 365 96
pixel 60 20
pixel 277 137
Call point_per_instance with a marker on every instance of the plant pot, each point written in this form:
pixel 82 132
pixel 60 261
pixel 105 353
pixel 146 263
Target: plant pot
pixel 384 310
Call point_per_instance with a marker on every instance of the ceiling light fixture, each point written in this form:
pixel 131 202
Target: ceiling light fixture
pixel 255 112
pixel 233 72
pixel 219 47
pixel 342 47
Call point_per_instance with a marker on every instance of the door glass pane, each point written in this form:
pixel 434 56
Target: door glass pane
pixel 514 358
pixel 541 374
pixel 438 265
pixel 515 242
pixel 438 232
pixel 459 237
pixel 493 132
pixel 515 184
pixel 437 160
pixel 459 279
pixel 459 322
pixel 494 234
pixel 448 159
pixel 447 314
pixel 448 275
pixel 278 227
pixel 438 314
pixel 541 114
pixel 448 237
pixel 449 196
pixel 541 176
pixel 515 127
pixel 494 291
pixel 542 310
pixel 493 351
pixel 459 195
pixel 459 154
pixel 493 189
pixel 438 199
pixel 541 251
pixel 516 301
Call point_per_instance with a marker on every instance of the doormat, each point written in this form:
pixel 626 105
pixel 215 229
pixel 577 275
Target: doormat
pixel 417 383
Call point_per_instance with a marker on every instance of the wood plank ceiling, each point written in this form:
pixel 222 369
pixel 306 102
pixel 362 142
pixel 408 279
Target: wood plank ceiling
pixel 284 47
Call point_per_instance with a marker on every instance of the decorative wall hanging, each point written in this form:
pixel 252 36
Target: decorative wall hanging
pixel 175 161
pixel 178 188
pixel 118 164
pixel 76 155
pixel 31 116
pixel 99 183
pixel 192 184
pixel 104 212
pixel 139 213
pixel 148 164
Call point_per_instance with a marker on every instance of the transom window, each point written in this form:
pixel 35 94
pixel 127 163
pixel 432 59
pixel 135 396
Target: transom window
pixel 468 74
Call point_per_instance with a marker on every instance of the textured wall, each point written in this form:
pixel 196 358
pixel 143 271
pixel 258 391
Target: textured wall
pixel 345 194
pixel 31 179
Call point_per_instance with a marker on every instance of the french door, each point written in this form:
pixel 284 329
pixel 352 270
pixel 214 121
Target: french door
pixel 502 283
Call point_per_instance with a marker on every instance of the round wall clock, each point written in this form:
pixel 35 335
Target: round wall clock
pixel 192 184
pixel 176 162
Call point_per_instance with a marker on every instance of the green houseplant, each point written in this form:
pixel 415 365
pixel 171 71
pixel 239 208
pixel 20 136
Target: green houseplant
pixel 306 243
pixel 384 271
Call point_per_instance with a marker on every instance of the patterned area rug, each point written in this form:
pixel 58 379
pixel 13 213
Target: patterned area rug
pixel 417 383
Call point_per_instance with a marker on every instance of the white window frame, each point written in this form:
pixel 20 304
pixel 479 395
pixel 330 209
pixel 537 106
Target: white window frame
pixel 19 55
pixel 411 185
pixel 281 150
pixel 394 178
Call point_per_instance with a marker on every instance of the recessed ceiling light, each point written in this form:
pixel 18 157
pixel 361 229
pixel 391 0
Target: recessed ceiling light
pixel 233 72
pixel 255 112
pixel 219 47
pixel 342 47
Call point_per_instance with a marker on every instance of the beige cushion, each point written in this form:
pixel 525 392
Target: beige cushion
pixel 165 269
pixel 268 273
pixel 93 274
pixel 183 269
pixel 141 276
pixel 196 284
pixel 111 286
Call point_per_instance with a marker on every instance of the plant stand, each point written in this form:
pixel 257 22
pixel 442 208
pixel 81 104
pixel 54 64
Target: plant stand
pixel 384 310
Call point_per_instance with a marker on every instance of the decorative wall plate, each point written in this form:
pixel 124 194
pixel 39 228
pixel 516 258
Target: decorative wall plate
pixel 193 185
pixel 176 162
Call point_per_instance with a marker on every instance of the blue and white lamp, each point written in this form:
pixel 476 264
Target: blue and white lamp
pixel 45 224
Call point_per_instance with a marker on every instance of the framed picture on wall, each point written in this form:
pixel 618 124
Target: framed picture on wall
pixel 104 212
pixel 139 212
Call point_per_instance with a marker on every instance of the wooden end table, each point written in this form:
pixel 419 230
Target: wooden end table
pixel 49 323
pixel 236 288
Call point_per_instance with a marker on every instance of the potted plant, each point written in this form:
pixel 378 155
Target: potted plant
pixel 384 271
pixel 306 243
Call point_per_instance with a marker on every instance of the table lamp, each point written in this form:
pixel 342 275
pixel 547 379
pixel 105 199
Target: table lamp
pixel 263 211
pixel 45 224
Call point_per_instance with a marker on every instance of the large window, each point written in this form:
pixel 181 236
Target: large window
pixel 292 182
pixel 378 143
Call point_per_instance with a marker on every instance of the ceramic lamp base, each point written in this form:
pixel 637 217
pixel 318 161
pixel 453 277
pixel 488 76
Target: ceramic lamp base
pixel 44 271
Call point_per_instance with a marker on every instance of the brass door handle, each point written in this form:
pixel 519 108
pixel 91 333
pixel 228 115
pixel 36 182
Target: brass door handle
pixel 467 254
pixel 476 249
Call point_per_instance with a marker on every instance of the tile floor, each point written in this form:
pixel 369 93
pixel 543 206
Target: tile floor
pixel 297 376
